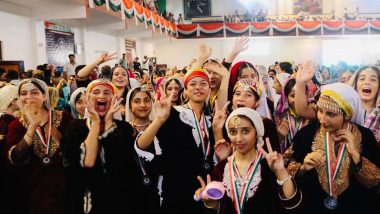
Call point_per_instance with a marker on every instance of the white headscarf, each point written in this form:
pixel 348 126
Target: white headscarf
pixel 8 93
pixel 282 77
pixel 77 91
pixel 254 116
pixel 351 97
pixel 128 112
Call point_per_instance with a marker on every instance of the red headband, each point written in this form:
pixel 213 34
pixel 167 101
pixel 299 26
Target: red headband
pixel 196 73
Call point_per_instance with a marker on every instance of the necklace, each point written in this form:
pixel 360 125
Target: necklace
pixel 143 125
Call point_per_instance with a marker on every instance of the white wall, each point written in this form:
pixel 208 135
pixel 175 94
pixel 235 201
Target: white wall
pixel 18 40
pixel 266 51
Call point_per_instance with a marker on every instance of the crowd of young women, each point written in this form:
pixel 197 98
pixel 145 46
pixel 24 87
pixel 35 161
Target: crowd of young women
pixel 278 144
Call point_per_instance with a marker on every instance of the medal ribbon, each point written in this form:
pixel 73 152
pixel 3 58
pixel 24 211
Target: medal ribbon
pixel 293 130
pixel 202 132
pixel 333 168
pixel 240 198
pixel 47 139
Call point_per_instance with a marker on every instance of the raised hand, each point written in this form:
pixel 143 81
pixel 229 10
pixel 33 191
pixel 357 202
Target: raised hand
pixel 94 116
pixel 220 115
pixel 115 107
pixel 198 193
pixel 106 57
pixel 162 106
pixel 204 51
pixel 223 149
pixel 274 159
pixel 306 72
pixel 241 44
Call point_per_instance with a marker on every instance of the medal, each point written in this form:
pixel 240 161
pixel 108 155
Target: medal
pixel 330 203
pixel 46 161
pixel 47 140
pixel 146 180
pixel 332 169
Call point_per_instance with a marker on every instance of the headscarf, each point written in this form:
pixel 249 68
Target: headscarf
pixel 41 86
pixel 281 78
pixel 283 104
pixel 254 116
pixel 73 96
pixel 250 84
pixel 342 98
pixel 128 112
pixel 8 93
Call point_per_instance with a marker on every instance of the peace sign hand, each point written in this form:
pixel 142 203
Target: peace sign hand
pixel 106 57
pixel 162 106
pixel 198 193
pixel 220 115
pixel 274 159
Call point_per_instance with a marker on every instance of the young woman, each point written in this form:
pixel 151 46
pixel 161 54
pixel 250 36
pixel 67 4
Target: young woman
pixel 334 160
pixel 34 141
pixel 78 103
pixel 246 93
pixel 172 86
pixel 249 181
pixel 187 143
pixel 120 78
pixel 105 177
pixel 287 120
pixel 367 85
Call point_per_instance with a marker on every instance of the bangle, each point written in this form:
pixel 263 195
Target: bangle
pixel 208 206
pixel 282 182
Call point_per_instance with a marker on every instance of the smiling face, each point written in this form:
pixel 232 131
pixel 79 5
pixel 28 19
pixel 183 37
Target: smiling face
pixel 247 73
pixel 141 105
pixel 242 134
pixel 244 98
pixel 215 78
pixel 30 94
pixel 101 97
pixel 198 89
pixel 174 88
pixel 277 86
pixel 120 77
pixel 80 105
pixel 367 85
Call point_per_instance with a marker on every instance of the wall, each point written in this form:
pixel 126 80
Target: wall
pixel 18 39
pixel 266 51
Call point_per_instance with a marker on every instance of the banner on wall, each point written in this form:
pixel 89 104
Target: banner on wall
pixel 130 50
pixel 309 6
pixel 59 43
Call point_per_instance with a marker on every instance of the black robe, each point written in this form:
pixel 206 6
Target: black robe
pixel 115 185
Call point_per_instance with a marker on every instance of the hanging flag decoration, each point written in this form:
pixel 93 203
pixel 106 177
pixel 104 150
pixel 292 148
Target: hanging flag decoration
pixel 238 29
pixel 284 28
pixel 130 9
pixel 260 28
pixel 211 30
pixel 309 28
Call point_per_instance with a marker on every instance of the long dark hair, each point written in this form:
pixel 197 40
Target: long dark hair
pixel 127 87
pixel 247 65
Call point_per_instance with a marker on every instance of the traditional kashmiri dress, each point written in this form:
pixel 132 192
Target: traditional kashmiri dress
pixel 114 184
pixel 183 159
pixel 45 185
pixel 263 195
pixel 372 121
pixel 355 185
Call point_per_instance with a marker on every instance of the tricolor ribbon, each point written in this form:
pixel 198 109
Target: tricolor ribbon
pixel 203 132
pixel 293 129
pixel 46 140
pixel 333 168
pixel 239 198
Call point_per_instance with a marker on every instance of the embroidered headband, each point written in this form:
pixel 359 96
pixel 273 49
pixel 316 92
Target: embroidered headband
pixel 198 72
pixel 332 101
pixel 104 82
pixel 249 84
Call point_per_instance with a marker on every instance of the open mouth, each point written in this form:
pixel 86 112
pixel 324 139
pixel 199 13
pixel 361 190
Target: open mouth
pixel 240 146
pixel 240 105
pixel 367 90
pixel 101 105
